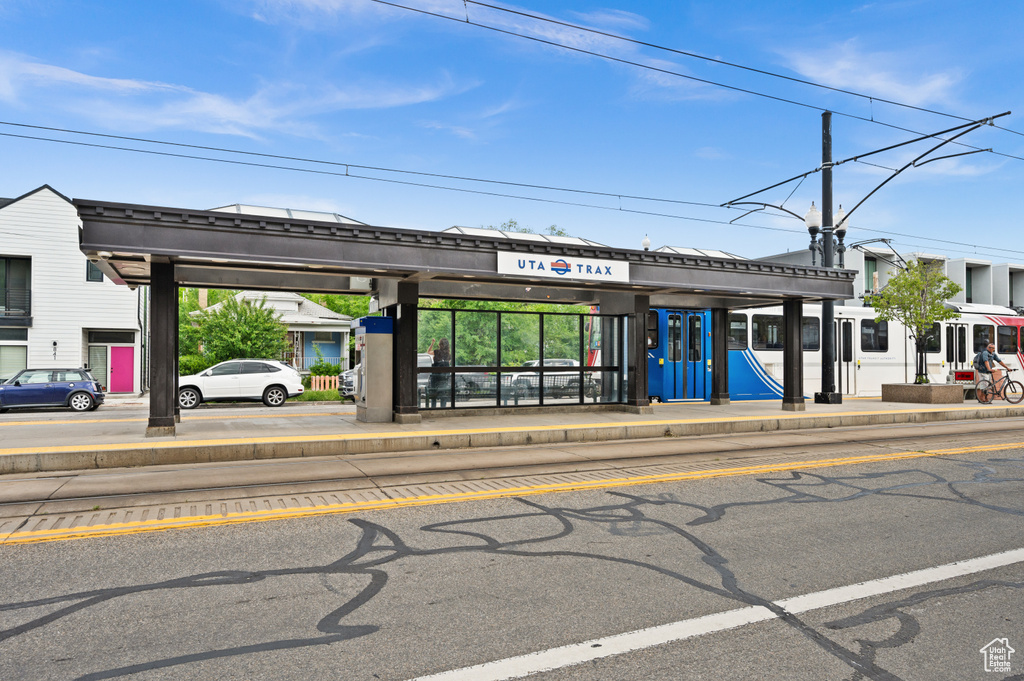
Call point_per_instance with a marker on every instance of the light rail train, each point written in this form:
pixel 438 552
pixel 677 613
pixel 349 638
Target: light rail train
pixel 868 353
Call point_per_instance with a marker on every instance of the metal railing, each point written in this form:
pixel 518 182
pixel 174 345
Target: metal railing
pixel 15 302
pixel 304 363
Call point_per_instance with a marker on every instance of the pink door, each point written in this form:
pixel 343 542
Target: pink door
pixel 122 369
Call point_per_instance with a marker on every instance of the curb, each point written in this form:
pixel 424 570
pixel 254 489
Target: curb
pixel 41 459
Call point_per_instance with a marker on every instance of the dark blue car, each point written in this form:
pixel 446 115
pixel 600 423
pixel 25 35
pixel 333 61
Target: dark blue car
pixel 73 388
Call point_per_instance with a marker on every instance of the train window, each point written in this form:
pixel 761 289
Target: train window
pixel 811 333
pixel 766 332
pixel 1006 339
pixel 983 335
pixel 652 329
pixel 737 332
pixel 933 338
pixel 694 340
pixel 675 344
pixel 874 336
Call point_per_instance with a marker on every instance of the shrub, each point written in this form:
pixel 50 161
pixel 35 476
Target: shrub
pixel 322 368
pixel 193 364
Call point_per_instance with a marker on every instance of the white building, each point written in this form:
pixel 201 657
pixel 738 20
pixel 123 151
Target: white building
pixel 983 282
pixel 56 308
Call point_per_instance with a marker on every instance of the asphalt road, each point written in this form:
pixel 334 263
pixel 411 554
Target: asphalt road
pixel 412 592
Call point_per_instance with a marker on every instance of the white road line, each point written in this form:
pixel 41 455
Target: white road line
pixel 565 656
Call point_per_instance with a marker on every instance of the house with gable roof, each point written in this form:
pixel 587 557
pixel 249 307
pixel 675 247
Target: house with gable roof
pixel 57 308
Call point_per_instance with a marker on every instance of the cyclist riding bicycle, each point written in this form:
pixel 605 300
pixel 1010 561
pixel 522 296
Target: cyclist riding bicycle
pixel 987 369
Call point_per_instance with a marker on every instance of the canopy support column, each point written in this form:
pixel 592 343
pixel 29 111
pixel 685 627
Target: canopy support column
pixel 163 383
pixel 719 356
pixel 406 297
pixel 792 356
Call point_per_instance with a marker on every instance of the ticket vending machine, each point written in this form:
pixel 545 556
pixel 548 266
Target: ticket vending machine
pixel 373 376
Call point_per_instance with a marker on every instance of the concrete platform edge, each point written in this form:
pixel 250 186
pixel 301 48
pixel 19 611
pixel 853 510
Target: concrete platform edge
pixel 144 455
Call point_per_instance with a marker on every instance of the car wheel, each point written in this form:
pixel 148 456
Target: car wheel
pixel 189 398
pixel 81 402
pixel 274 396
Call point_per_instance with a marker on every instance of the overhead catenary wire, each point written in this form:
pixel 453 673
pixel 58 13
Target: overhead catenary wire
pixel 631 211
pixel 784 100
pixel 342 164
pixel 394 181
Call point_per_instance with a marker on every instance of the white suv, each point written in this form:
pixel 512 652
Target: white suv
pixel 241 379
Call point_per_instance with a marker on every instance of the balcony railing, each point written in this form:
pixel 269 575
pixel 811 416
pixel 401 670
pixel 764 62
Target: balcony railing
pixel 15 302
pixel 304 363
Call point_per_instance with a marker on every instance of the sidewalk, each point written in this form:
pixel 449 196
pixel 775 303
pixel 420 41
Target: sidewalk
pixel 306 430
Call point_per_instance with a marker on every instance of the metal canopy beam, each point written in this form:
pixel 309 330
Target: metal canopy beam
pixel 228 250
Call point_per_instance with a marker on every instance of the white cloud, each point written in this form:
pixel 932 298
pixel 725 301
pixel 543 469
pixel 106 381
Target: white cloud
pixel 887 75
pixel 662 86
pixel 457 130
pixel 614 19
pixel 145 105
pixel 18 73
pixel 712 154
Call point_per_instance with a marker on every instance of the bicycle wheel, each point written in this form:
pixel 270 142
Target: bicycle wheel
pixel 984 392
pixel 1014 392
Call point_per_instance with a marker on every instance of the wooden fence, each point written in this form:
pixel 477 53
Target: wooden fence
pixel 323 383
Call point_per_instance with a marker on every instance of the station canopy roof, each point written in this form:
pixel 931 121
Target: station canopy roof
pixel 523 236
pixel 287 213
pixel 679 250
pixel 282 249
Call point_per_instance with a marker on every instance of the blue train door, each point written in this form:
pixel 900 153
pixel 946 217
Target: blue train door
pixel 685 375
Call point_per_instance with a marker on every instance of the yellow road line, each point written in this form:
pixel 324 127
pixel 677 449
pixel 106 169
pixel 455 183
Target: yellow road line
pixel 36 536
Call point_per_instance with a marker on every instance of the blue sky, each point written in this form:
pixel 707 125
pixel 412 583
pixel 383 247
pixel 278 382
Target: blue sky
pixel 362 83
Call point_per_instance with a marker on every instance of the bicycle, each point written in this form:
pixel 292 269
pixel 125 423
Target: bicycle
pixel 1011 391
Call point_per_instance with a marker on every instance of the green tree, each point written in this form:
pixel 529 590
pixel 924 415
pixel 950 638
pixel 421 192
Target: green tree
pixel 350 306
pixel 915 297
pixel 512 226
pixel 241 329
pixel 190 359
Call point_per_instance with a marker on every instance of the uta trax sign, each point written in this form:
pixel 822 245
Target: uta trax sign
pixel 547 266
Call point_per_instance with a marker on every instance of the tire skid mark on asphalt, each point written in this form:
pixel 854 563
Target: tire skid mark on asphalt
pixel 232 518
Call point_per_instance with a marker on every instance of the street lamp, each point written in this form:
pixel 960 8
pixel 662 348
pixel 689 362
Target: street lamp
pixel 813 221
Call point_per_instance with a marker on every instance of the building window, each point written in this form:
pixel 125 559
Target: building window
pixel 767 332
pixel 323 337
pixel 92 272
pixel 811 333
pixel 874 336
pixel 870 269
pixel 115 337
pixel 13 358
pixel 15 286
pixel 13 334
pixel 969 285
pixel 737 332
